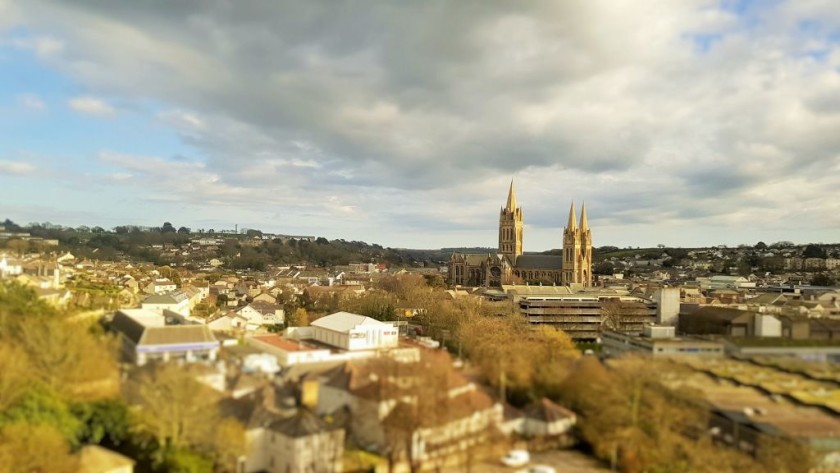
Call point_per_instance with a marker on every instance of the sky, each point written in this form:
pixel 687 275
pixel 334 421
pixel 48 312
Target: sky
pixel 688 123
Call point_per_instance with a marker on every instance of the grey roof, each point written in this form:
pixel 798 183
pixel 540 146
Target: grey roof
pixel 173 297
pixel 344 321
pixel 177 334
pixel 550 262
pixel 303 423
pixel 129 327
pixel 165 335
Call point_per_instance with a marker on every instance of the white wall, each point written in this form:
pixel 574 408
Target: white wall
pixel 667 305
pixel 767 326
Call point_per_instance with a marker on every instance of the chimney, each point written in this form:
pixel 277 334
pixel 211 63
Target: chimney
pixel 268 397
pixel 309 394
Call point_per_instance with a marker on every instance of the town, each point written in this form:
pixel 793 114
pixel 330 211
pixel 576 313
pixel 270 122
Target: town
pixel 383 236
pixel 164 349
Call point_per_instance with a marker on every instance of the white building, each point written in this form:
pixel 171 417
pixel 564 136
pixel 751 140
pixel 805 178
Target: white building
pixel 160 286
pixel 667 305
pixel 9 267
pixel 176 301
pixel 354 332
pixel 146 335
pixel 289 352
pixel 257 314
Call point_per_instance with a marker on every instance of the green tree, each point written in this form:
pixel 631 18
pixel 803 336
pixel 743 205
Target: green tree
pixel 107 419
pixel 167 228
pixel 31 447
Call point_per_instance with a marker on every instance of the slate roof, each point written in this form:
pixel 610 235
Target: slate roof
pixel 302 423
pixel 547 411
pixel 539 262
pixel 174 297
pixel 129 327
pixel 718 313
pixel 140 334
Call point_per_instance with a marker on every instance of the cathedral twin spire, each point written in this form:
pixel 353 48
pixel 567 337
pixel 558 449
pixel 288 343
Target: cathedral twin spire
pixel 584 220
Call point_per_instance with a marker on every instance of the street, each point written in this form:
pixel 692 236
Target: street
pixel 565 461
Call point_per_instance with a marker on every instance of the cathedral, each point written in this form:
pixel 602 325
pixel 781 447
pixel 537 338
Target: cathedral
pixel 511 266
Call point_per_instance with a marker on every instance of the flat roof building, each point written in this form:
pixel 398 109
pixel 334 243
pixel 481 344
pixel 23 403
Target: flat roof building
pixel 147 335
pixel 659 341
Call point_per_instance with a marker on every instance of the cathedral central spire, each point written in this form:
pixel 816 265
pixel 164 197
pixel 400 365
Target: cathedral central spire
pixel 511 200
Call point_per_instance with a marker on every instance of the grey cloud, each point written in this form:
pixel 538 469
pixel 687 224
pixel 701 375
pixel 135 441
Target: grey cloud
pixel 422 97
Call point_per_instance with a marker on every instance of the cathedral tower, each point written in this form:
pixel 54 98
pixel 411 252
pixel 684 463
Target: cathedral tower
pixel 577 249
pixel 510 228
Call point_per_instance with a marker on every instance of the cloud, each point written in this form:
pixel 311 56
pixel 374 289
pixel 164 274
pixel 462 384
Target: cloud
pixel 704 114
pixel 31 102
pixel 91 106
pixel 16 168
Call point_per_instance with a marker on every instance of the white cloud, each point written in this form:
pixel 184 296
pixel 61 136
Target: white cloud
pixel 16 168
pixel 45 47
pixel 91 106
pixel 31 102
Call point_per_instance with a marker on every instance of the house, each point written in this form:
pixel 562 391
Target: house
pixel 160 286
pixel 265 297
pixel 96 459
pixel 441 415
pixel 544 418
pixel 226 323
pixel 147 335
pixel 175 301
pixel 257 314
pixel 354 332
pixel 304 442
pixel 9 267
pixel 283 433
pixel 54 297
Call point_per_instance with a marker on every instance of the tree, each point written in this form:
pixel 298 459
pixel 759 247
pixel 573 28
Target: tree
pixel 613 316
pixel 66 356
pixel 761 246
pixel 822 279
pixel 167 228
pixel 604 267
pixel 298 318
pixel 814 251
pixel 26 447
pixel 106 419
pixel 183 417
pixel 15 378
pixel 184 231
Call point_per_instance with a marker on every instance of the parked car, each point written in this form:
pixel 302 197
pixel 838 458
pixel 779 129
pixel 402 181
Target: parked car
pixel 516 458
pixel 538 469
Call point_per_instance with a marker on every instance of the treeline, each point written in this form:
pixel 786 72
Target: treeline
pixel 239 251
pixel 60 390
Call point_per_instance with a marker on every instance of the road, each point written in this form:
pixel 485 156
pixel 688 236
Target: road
pixel 565 461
